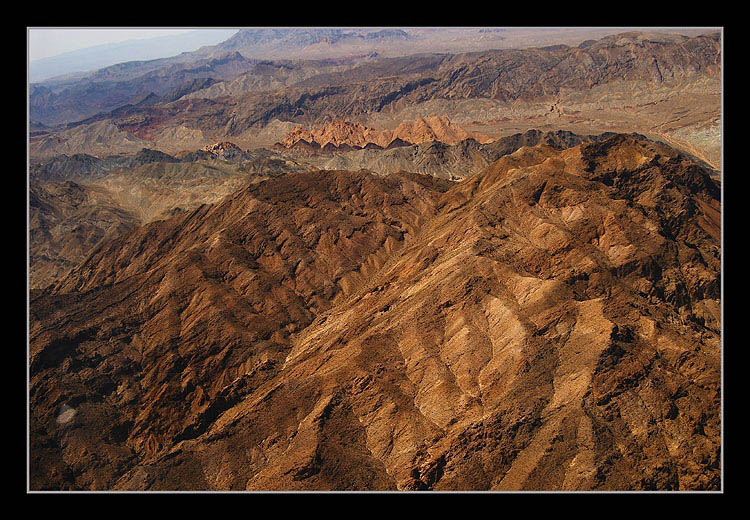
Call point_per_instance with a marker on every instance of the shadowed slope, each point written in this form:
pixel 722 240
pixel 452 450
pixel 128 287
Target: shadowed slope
pixel 168 325
pixel 66 221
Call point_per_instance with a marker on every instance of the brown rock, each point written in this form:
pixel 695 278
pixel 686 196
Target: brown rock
pixel 540 325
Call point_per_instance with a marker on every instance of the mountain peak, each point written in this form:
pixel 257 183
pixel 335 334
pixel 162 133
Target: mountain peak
pixel 220 147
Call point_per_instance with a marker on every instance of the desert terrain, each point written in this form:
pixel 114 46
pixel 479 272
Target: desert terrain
pixel 381 259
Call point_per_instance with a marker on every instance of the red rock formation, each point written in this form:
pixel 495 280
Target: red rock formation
pixel 340 133
pixel 436 128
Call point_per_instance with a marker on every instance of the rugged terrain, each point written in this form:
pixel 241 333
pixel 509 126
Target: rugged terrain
pixel 76 201
pixel 550 322
pixel 72 97
pixel 122 190
pixel 66 221
pixel 381 258
pixel 150 185
pixel 436 158
pixel 339 133
pixel 665 86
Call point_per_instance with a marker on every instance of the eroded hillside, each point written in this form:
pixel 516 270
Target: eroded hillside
pixel 552 322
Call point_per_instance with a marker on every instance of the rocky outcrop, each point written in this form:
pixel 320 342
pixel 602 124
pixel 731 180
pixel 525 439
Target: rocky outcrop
pixel 225 150
pixel 436 128
pixel 336 133
pixel 343 136
pixel 220 148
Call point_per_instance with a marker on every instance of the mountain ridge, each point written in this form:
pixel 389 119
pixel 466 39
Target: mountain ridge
pixel 338 133
pixel 312 329
pixel 598 85
pixel 438 259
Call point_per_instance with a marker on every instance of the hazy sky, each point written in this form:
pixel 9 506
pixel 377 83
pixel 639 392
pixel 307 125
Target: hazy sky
pixel 44 43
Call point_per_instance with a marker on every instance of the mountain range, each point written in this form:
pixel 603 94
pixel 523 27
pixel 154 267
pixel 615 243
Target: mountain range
pixel 369 259
pixel 552 322
pixel 92 58
pixel 597 86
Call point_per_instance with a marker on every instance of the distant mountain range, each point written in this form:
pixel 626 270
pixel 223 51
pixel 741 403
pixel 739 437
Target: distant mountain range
pixel 91 58
pixel 222 92
pixel 102 78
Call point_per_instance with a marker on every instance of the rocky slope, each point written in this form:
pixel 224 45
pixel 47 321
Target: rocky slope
pixel 151 185
pixel 75 201
pixel 66 221
pixel 552 322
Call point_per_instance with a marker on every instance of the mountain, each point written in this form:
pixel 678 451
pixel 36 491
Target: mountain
pixel 282 41
pixel 100 56
pixel 76 201
pixel 105 90
pixel 552 322
pixel 436 158
pixel 340 133
pixel 664 86
pixel 63 167
pixel 381 259
pixel 323 43
pixel 150 185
